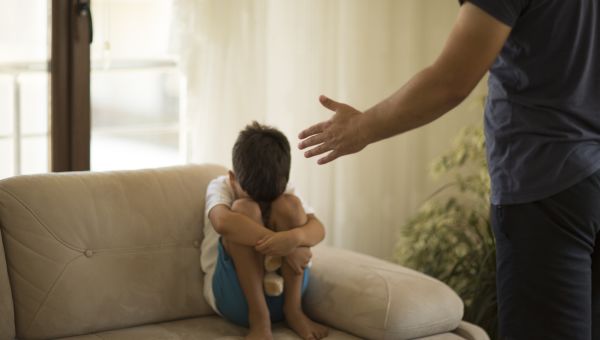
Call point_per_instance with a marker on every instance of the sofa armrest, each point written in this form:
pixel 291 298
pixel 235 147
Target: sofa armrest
pixel 7 316
pixel 375 299
pixel 470 332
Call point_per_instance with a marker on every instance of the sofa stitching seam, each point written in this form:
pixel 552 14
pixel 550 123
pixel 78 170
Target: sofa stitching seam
pixel 13 270
pixel 50 291
pixel 39 221
pixel 81 250
pixel 31 249
pixel 100 251
pixel 17 273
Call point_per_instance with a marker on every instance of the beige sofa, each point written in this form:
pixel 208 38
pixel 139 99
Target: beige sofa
pixel 116 255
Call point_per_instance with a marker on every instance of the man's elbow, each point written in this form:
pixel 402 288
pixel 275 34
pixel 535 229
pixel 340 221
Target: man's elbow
pixel 457 95
pixel 457 88
pixel 454 91
pixel 454 86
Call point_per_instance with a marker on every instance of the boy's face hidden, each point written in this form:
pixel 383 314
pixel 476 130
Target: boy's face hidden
pixel 237 188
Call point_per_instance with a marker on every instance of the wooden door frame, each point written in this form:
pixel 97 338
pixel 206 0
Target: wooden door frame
pixel 70 124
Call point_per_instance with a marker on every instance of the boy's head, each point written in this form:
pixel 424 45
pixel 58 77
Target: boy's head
pixel 261 162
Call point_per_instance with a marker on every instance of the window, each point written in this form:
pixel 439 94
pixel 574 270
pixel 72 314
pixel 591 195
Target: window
pixel 24 86
pixel 123 96
pixel 137 89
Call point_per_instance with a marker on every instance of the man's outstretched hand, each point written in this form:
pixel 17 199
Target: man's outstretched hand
pixel 341 135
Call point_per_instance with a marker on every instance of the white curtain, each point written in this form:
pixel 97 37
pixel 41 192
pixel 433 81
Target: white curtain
pixel 269 61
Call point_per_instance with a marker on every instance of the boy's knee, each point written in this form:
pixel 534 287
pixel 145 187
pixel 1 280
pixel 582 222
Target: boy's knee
pixel 288 210
pixel 247 207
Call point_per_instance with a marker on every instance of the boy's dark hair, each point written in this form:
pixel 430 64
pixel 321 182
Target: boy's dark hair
pixel 261 162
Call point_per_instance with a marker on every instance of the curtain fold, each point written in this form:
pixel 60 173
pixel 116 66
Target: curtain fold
pixel 269 61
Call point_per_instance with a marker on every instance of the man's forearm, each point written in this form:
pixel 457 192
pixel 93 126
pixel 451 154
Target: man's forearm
pixel 470 50
pixel 426 97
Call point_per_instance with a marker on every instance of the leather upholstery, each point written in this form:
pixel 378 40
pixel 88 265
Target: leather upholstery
pixel 209 328
pixel 7 316
pixel 214 327
pixel 376 299
pixel 98 251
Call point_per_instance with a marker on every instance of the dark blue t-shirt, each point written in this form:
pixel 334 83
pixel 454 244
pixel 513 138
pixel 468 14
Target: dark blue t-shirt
pixel 542 115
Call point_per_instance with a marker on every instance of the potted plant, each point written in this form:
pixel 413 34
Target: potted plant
pixel 450 238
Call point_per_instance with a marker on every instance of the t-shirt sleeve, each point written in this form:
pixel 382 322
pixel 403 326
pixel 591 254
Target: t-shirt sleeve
pixel 507 11
pixel 292 191
pixel 218 192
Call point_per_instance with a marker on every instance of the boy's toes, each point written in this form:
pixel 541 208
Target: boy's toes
pixel 321 331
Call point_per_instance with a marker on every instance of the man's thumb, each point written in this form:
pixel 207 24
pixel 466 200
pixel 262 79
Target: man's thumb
pixel 329 103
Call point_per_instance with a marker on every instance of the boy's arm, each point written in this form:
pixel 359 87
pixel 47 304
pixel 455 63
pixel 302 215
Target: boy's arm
pixel 285 242
pixel 311 233
pixel 299 259
pixel 236 227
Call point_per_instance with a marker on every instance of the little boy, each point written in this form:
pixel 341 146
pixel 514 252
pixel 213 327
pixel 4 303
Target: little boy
pixel 251 213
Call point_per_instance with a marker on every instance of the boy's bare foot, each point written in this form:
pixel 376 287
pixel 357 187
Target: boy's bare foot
pixel 305 327
pixel 259 333
pixel 260 326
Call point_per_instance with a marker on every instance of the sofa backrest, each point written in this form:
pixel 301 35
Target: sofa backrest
pixel 7 315
pixel 97 251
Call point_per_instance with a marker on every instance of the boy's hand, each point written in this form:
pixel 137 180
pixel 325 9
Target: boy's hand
pixel 278 244
pixel 298 260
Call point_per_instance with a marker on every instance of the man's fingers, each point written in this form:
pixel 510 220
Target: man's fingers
pixel 314 140
pixel 329 103
pixel 313 130
pixel 317 150
pixel 330 157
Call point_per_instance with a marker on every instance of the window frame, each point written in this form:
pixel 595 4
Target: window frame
pixel 70 123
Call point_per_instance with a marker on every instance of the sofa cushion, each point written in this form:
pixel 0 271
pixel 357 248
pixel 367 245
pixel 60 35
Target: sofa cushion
pixel 471 332
pixel 96 251
pixel 215 328
pixel 442 336
pixel 208 327
pixel 7 316
pixel 376 299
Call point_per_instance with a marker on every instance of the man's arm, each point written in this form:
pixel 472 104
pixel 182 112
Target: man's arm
pixel 474 43
pixel 237 227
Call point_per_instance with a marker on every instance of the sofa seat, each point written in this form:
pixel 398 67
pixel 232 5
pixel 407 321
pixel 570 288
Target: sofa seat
pixel 215 327
pixel 208 327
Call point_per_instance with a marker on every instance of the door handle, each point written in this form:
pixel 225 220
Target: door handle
pixel 84 10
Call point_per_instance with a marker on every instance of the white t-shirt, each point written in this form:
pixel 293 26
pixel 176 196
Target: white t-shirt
pixel 219 191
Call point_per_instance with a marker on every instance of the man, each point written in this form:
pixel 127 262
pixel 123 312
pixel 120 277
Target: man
pixel 542 124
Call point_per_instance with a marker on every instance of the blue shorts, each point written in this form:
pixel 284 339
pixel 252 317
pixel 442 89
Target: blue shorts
pixel 230 299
